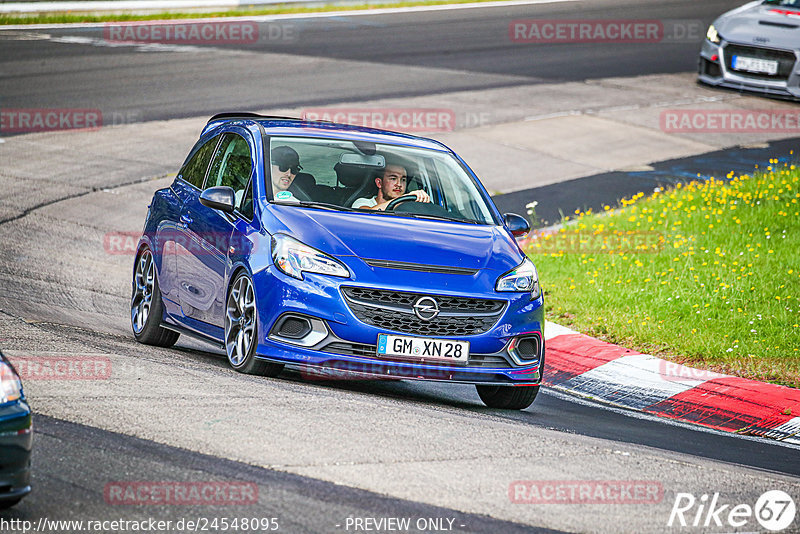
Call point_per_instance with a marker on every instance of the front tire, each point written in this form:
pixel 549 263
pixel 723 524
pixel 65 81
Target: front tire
pixel 241 330
pixel 147 308
pixel 508 397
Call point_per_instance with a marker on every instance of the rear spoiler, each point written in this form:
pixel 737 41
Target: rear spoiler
pixel 247 115
pixel 241 115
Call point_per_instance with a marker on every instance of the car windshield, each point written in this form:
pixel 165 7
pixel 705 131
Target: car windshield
pixel 789 3
pixel 368 177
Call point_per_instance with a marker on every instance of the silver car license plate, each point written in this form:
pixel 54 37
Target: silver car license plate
pixel 753 64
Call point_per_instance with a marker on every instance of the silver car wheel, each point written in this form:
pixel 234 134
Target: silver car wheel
pixel 240 321
pixel 144 280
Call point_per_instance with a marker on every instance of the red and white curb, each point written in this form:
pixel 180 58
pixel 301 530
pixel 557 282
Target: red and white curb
pixel 585 366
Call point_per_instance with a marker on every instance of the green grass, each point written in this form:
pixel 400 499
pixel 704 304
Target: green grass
pixel 278 9
pixel 706 274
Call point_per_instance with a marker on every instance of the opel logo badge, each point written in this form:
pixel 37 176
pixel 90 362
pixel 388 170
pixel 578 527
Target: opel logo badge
pixel 426 308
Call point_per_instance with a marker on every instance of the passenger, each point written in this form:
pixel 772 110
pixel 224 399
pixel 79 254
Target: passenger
pixel 391 184
pixel 285 166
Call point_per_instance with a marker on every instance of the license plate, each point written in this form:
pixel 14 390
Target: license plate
pixel 423 348
pixel 752 64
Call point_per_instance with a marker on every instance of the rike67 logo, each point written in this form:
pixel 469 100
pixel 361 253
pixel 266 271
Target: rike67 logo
pixel 774 510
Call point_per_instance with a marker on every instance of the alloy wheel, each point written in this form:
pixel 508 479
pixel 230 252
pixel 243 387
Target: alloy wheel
pixel 144 282
pixel 240 321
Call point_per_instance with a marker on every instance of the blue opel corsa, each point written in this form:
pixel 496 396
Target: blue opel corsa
pixel 340 250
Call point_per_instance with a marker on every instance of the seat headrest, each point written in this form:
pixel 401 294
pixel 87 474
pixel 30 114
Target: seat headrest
pixel 304 180
pixel 352 175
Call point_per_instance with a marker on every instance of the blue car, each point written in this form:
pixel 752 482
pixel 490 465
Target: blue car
pixel 329 248
pixel 15 437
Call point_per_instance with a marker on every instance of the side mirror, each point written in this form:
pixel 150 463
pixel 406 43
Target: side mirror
pixel 517 224
pixel 219 198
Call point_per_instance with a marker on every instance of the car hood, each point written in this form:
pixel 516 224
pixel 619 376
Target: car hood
pixel 760 24
pixel 401 239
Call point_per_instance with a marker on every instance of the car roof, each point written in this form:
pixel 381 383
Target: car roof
pixel 294 127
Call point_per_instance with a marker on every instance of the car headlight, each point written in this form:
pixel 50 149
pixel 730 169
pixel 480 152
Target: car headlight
pixel 10 385
pixel 294 258
pixel 712 34
pixel 522 278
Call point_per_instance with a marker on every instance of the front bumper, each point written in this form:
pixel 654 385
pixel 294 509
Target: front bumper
pixel 714 69
pixel 15 451
pixel 344 346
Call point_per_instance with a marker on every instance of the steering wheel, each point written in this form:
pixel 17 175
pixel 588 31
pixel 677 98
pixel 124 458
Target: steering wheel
pixel 399 200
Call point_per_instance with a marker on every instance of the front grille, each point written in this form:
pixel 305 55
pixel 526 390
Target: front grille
pixel 393 311
pixel 785 58
pixel 350 349
pixel 494 361
pixel 446 304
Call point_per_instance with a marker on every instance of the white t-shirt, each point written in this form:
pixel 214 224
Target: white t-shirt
pixel 366 202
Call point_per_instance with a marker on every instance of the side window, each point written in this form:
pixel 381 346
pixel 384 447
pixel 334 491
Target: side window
pixel 246 206
pixel 232 167
pixel 195 169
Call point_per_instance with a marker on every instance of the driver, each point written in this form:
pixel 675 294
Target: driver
pixel 285 166
pixel 391 185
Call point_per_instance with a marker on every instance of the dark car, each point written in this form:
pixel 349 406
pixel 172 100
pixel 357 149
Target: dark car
pixel 15 437
pixel 323 246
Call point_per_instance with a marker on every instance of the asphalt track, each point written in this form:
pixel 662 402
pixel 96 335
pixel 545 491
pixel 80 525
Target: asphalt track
pixel 401 55
pixel 319 452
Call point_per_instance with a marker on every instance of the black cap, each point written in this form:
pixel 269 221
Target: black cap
pixel 284 156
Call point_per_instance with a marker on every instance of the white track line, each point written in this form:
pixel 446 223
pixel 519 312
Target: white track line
pixel 298 16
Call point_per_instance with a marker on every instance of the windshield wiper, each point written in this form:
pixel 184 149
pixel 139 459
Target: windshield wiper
pixel 322 205
pixel 436 217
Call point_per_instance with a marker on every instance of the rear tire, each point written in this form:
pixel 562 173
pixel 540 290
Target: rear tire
pixel 508 397
pixel 241 330
pixel 147 308
pixel 9 503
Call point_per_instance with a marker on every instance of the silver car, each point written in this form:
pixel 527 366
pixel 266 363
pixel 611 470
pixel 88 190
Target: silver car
pixel 755 48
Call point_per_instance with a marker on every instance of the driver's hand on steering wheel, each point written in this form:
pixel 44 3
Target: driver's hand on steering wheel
pixel 421 195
